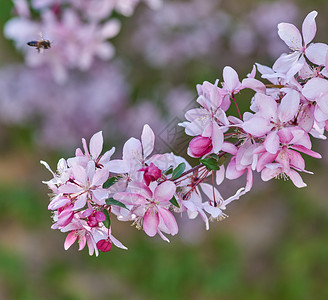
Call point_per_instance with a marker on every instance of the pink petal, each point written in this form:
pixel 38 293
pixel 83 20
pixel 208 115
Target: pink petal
pixel 117 243
pixel 209 189
pixel 306 151
pixel 118 166
pixel 309 27
pixel 232 172
pixel 296 160
pixel 217 137
pixel 105 158
pixel 80 202
pixel 96 144
pixel 305 118
pixel 230 78
pixel 316 53
pixel 58 202
pixel 215 97
pixel 132 149
pixel 229 148
pixel 323 103
pixel 100 176
pixel 82 242
pixel 285 62
pixel 69 188
pixel 105 50
pixel 90 171
pixel 290 35
pixel 147 140
pixel 164 191
pixel 110 29
pixel 296 179
pixel 266 105
pixel 315 87
pixel 99 196
pixel 150 222
pixel 257 126
pixel 79 174
pixel 289 106
pixel 220 175
pixel 254 84
pixel 168 220
pixel 130 198
pixel 272 142
pixel 267 174
pixel 70 239
pixel 300 137
pixel 265 159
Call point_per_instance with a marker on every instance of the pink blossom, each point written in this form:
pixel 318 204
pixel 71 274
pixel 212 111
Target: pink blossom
pixel 300 44
pixel 150 205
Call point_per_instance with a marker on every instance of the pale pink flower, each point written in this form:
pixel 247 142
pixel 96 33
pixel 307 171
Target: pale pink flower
pixel 210 120
pixel 300 45
pixel 150 205
pixel 272 117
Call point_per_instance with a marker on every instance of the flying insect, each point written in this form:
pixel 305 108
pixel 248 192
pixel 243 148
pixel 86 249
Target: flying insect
pixel 40 45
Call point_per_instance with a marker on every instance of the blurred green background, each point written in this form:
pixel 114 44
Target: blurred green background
pixel 274 245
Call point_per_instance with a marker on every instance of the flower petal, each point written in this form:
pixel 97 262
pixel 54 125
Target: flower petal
pixel 164 191
pixel 96 144
pixel 147 140
pixel 168 220
pixel 309 27
pixel 150 222
pixel 290 35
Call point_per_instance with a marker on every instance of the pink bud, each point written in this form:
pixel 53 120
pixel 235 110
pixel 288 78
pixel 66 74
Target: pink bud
pixel 100 216
pixel 65 217
pixel 92 221
pixel 200 145
pixel 104 245
pixel 152 173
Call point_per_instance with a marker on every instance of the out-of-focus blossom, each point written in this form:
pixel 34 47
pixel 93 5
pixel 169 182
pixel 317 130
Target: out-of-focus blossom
pixel 180 31
pixel 78 31
pixel 81 106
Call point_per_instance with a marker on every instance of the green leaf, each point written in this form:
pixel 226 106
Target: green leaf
pixel 214 156
pixel 168 171
pixel 175 202
pixel 107 221
pixel 210 163
pixel 112 201
pixel 178 170
pixel 111 181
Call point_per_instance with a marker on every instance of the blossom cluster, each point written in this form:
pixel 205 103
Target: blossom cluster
pixel 148 189
pixel 78 30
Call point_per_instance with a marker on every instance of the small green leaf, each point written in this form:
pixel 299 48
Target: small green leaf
pixel 214 156
pixel 111 201
pixel 175 202
pixel 107 221
pixel 178 170
pixel 168 171
pixel 210 163
pixel 111 181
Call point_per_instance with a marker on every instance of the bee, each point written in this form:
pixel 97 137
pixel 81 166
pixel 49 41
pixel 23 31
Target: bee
pixel 42 44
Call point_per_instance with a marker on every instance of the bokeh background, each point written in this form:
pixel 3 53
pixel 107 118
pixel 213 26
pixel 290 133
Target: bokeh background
pixel 274 245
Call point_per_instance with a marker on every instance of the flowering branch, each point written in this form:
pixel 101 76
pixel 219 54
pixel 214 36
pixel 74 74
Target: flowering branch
pixel 147 189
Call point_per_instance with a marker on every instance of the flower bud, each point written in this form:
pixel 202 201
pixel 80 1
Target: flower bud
pixel 152 173
pixel 104 245
pixel 200 145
